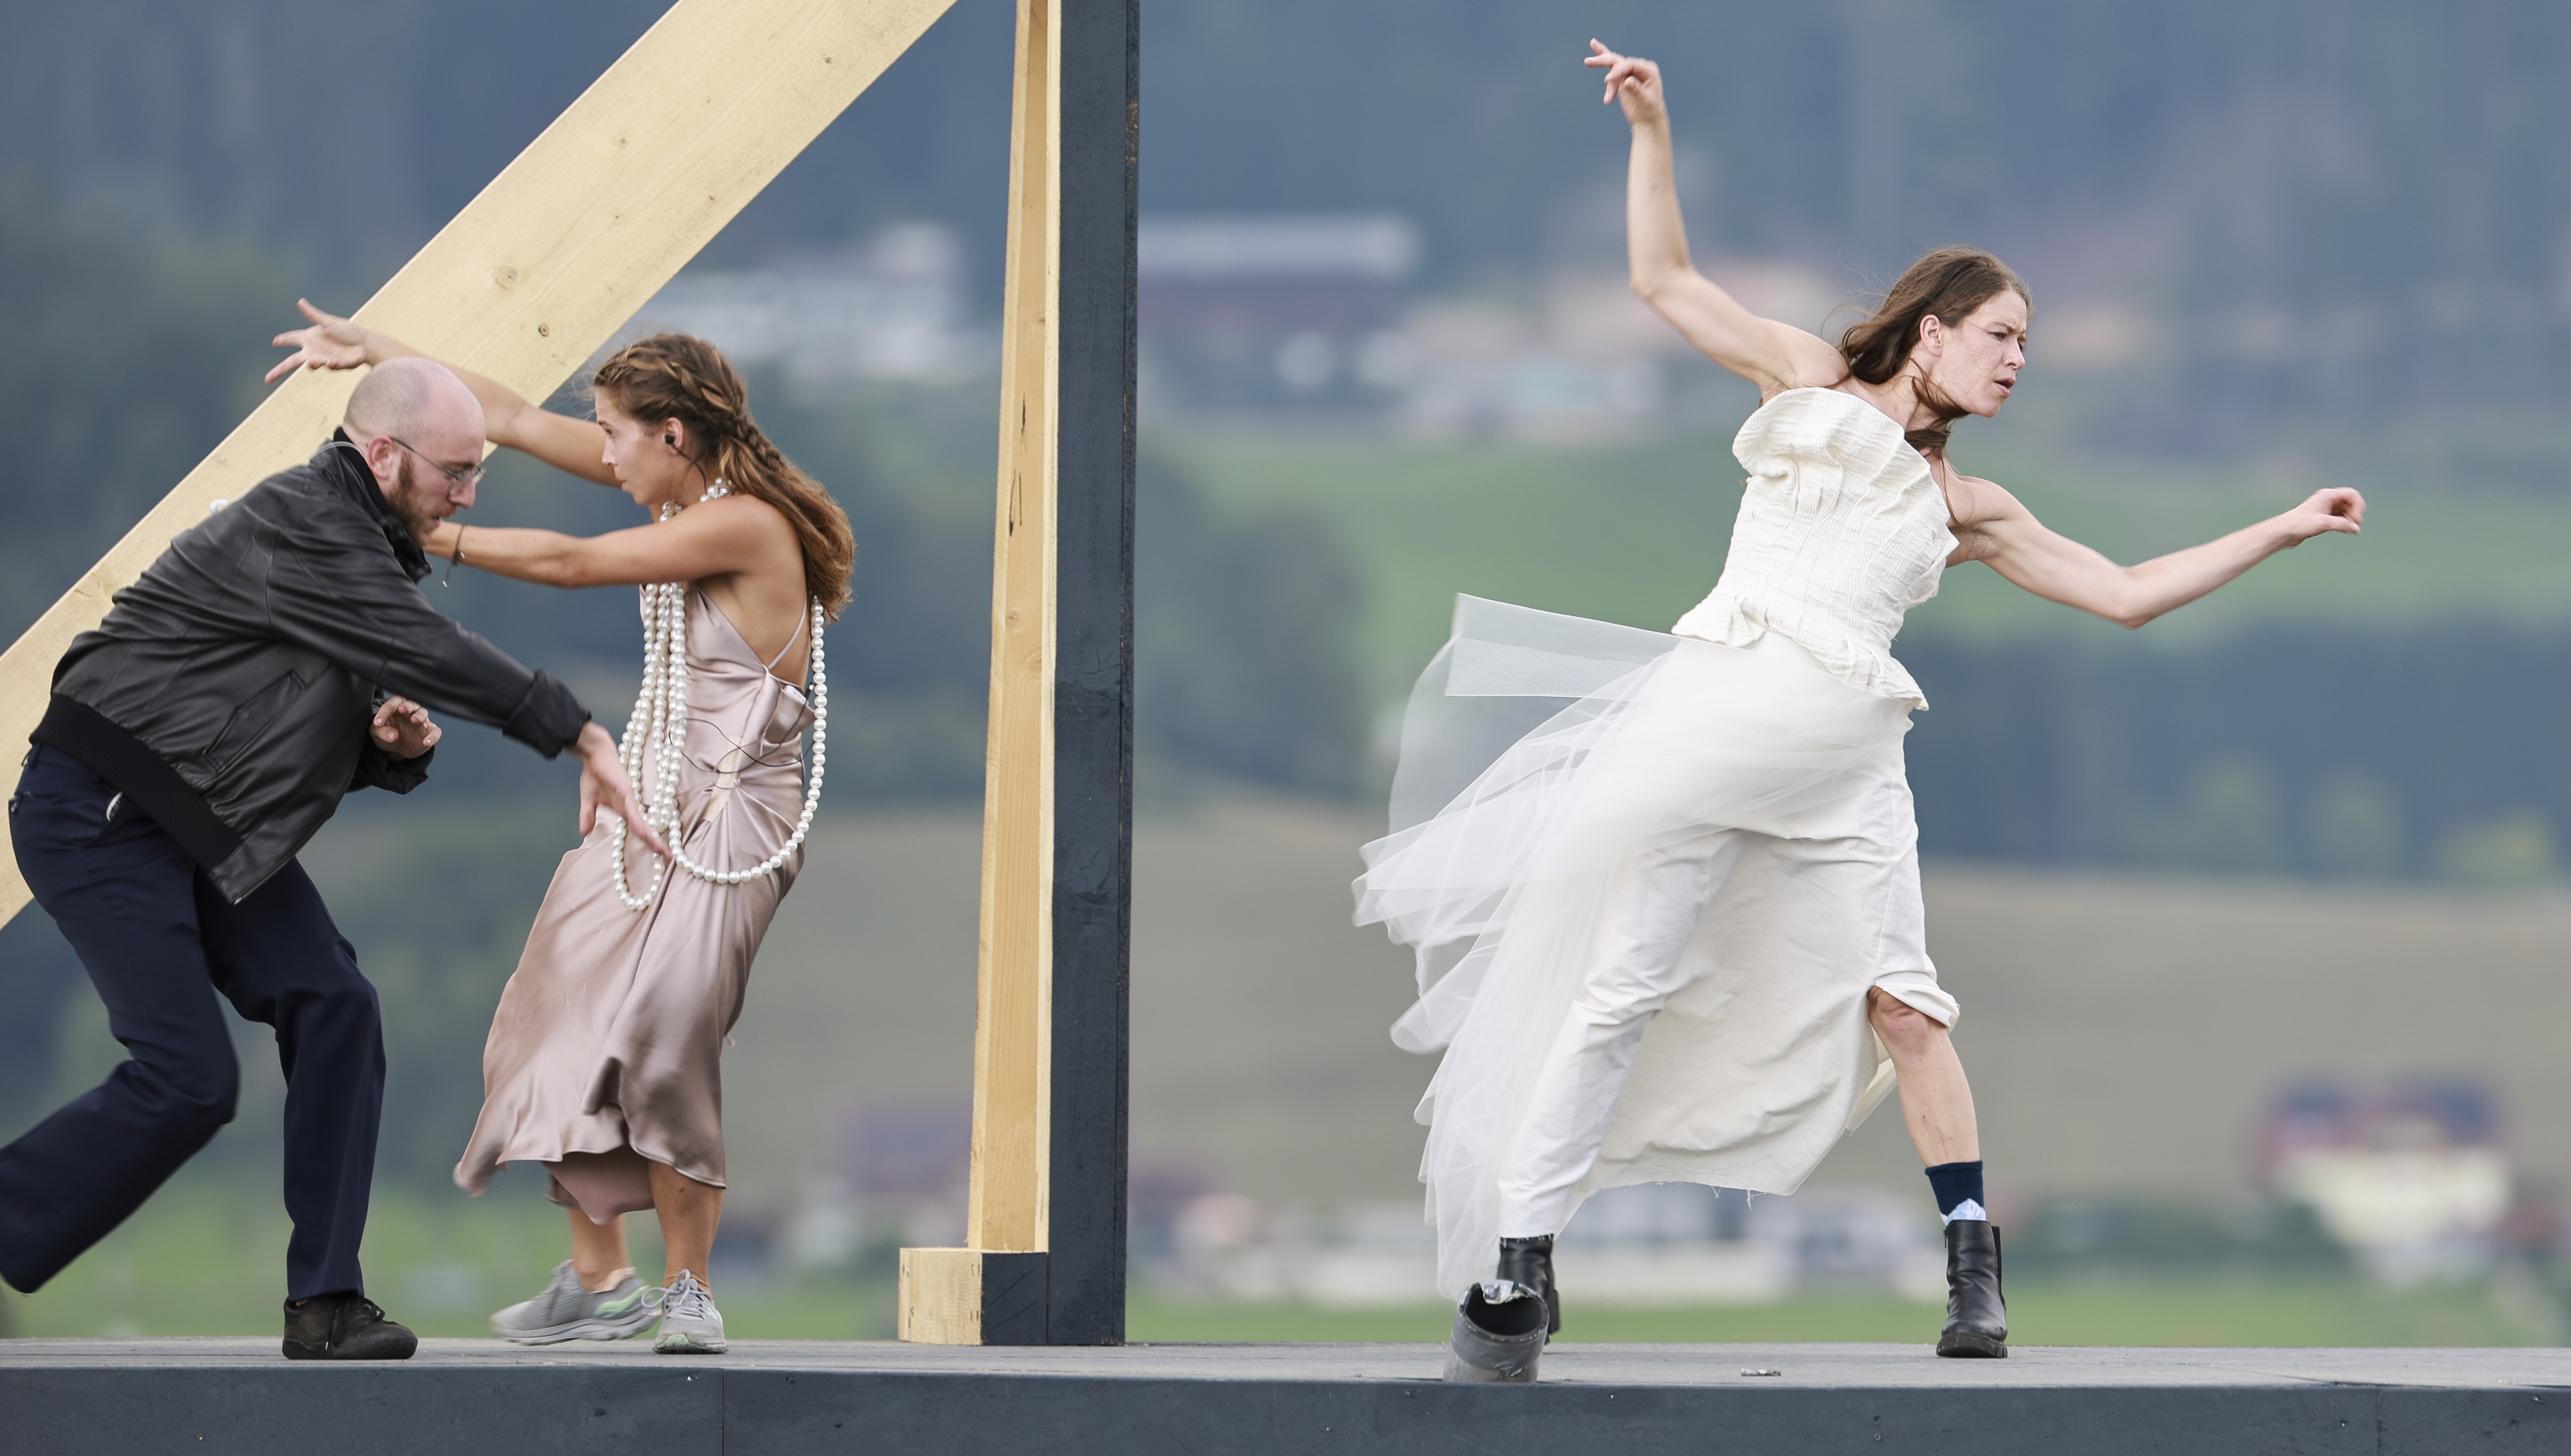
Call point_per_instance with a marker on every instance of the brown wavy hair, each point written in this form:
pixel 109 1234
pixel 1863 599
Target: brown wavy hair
pixel 676 376
pixel 1947 284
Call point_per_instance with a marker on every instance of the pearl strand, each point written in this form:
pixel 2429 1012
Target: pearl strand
pixel 660 721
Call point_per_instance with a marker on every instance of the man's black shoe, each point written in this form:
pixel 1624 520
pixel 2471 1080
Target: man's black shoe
pixel 344 1327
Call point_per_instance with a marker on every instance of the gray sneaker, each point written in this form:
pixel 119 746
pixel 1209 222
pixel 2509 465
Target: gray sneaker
pixel 690 1322
pixel 564 1310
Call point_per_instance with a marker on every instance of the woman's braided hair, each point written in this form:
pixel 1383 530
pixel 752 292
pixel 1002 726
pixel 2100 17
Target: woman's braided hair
pixel 1947 284
pixel 674 376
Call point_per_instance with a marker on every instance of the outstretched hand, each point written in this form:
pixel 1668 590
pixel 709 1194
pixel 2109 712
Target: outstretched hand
pixel 603 785
pixel 1630 80
pixel 332 342
pixel 405 730
pixel 2334 508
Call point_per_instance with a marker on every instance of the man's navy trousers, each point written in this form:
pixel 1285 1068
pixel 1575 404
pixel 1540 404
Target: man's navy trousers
pixel 159 943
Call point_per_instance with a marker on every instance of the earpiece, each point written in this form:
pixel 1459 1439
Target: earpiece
pixel 670 440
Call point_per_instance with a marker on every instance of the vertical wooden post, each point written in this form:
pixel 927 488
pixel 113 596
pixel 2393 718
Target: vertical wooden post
pixel 1093 709
pixel 1045 1222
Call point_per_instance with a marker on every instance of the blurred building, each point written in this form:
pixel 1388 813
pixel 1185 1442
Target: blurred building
pixel 1314 321
pixel 1260 315
pixel 898 1180
pixel 2411 1176
pixel 893 309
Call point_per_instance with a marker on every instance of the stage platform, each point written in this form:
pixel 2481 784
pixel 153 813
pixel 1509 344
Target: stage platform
pixel 131 1397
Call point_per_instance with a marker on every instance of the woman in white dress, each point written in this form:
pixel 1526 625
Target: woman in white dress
pixel 1665 888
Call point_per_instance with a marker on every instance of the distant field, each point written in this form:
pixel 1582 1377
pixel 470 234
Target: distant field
pixel 2163 1312
pixel 2121 1032
pixel 2122 1029
pixel 1636 535
pixel 205 1260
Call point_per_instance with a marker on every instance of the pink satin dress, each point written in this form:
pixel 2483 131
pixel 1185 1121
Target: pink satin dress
pixel 606 1049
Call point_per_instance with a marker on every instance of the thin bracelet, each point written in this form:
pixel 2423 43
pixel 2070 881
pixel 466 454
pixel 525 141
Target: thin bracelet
pixel 457 560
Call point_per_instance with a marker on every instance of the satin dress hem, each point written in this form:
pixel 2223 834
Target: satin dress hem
pixel 606 1052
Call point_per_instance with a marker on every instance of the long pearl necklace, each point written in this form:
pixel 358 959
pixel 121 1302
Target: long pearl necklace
pixel 660 726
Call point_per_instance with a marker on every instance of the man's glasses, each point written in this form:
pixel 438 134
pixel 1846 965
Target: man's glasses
pixel 461 477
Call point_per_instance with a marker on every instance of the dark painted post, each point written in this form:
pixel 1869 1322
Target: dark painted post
pixel 1093 853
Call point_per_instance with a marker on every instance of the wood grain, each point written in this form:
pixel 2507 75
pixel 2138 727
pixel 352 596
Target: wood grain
pixel 1011 1037
pixel 941 1298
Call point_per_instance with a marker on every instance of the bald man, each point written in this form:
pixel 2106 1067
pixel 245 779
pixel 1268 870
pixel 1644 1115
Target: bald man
pixel 275 658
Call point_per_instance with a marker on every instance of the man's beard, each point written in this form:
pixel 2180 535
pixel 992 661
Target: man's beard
pixel 409 505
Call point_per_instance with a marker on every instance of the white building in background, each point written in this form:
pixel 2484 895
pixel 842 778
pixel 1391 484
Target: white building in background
pixel 896 308
pixel 1283 318
pixel 2414 1178
pixel 1269 313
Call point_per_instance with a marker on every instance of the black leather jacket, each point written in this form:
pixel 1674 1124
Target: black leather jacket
pixel 229 691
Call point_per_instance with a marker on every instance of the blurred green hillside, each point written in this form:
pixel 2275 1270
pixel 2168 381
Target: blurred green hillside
pixel 1637 534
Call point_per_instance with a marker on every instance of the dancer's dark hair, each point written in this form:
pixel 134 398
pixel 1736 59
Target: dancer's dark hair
pixel 1947 284
pixel 676 376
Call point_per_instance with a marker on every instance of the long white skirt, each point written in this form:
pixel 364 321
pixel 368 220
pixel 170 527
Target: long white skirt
pixel 1541 757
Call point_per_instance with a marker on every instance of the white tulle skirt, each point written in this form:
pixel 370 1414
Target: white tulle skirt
pixel 1541 755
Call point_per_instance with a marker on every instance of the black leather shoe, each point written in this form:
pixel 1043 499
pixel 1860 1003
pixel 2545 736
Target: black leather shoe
pixel 344 1327
pixel 1976 1314
pixel 1528 1263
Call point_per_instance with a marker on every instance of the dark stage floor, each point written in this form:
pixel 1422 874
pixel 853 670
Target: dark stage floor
pixel 127 1396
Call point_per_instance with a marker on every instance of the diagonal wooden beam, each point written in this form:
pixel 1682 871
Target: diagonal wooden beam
pixel 550 260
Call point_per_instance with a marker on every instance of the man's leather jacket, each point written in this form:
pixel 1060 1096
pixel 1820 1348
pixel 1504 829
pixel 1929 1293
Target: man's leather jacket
pixel 229 693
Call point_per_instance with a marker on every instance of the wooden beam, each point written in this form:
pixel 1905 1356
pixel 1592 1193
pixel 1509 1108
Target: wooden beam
pixel 1005 1208
pixel 970 1296
pixel 543 268
pixel 1049 1046
pixel 1092 696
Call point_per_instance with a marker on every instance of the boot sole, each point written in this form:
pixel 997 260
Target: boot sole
pixel 390 1350
pixel 1963 1344
pixel 1463 1371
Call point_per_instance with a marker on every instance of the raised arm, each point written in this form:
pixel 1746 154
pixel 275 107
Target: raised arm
pixel 737 534
pixel 575 446
pixel 1768 353
pixel 1993 526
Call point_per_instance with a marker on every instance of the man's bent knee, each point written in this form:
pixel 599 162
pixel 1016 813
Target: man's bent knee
pixel 199 1097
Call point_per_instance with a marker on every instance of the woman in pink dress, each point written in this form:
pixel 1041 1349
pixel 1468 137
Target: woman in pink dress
pixel 604 1062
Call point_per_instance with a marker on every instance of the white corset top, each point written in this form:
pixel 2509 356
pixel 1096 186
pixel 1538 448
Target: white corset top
pixel 1841 531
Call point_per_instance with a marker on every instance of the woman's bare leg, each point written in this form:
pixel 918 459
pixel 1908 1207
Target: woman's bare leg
pixel 1937 1101
pixel 598 1255
pixel 690 1211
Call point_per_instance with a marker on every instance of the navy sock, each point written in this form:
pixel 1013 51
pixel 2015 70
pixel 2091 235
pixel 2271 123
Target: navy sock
pixel 1958 1187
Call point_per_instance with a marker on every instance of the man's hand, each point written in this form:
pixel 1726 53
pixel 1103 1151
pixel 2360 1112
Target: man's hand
pixel 2332 508
pixel 331 342
pixel 603 785
pixel 403 729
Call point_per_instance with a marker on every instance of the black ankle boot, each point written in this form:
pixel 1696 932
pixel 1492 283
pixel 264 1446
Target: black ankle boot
pixel 1529 1261
pixel 1976 1316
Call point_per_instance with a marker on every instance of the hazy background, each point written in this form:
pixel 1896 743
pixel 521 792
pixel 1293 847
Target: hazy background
pixel 2256 915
